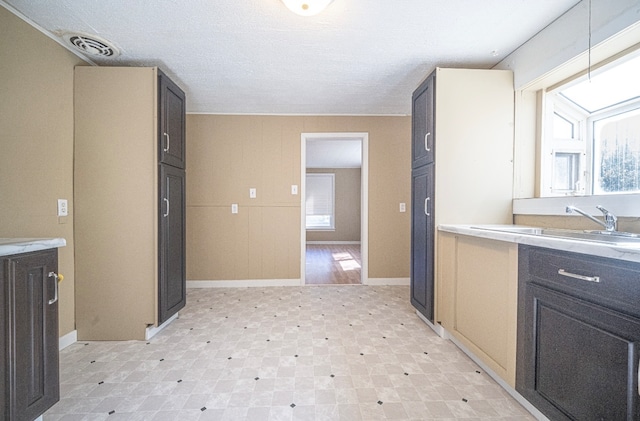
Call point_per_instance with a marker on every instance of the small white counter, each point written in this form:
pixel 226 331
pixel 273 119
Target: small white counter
pixel 10 246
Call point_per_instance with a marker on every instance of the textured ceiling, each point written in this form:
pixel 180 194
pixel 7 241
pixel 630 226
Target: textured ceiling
pixel 359 57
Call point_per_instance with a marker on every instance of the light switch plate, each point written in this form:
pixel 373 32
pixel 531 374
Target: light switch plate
pixel 63 209
pixel 294 189
pixel 234 208
pixel 403 207
pixel 252 193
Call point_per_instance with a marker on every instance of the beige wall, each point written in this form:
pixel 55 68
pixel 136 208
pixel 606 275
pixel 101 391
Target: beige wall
pixel 347 206
pixel 228 155
pixel 36 158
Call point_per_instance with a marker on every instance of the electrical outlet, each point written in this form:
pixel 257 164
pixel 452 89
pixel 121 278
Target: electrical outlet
pixel 63 209
pixel 252 193
pixel 403 207
pixel 234 208
pixel 294 189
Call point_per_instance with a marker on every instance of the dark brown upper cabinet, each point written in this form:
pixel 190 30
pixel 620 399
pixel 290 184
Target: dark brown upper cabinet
pixel 423 130
pixel 172 122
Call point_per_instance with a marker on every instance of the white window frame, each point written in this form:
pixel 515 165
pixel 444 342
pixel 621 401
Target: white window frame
pixel 332 225
pixel 583 142
pixel 554 104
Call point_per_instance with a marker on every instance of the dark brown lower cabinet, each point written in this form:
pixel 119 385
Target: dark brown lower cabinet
pixel 578 356
pixel 422 240
pixel 172 295
pixel 29 320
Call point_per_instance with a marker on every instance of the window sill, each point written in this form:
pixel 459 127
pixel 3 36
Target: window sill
pixel 625 205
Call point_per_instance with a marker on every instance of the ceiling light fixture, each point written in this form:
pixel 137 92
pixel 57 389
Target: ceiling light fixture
pixel 307 7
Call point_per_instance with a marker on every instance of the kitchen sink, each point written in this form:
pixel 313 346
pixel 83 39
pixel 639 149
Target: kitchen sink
pixel 610 237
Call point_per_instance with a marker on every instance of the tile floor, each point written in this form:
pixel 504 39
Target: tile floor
pixel 282 353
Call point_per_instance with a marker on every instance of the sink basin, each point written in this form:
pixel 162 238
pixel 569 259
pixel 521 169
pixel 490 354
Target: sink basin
pixel 609 237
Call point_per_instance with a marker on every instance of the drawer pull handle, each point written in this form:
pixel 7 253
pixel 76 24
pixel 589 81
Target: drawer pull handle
pixel 576 276
pixel 168 143
pixel 55 281
pixel 426 142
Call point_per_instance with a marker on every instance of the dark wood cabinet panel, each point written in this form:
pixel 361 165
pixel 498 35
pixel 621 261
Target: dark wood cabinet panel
pixel 422 240
pixel 4 339
pixel 172 281
pixel 422 197
pixel 171 259
pixel 577 354
pixel 423 119
pixel 171 122
pixel 30 328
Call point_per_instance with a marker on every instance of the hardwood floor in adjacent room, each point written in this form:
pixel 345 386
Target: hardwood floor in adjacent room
pixel 333 264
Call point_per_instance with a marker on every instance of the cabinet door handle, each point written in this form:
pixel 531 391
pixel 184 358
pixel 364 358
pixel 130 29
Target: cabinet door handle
pixel 576 276
pixel 167 202
pixel 55 281
pixel 426 142
pixel 168 142
pixel 426 206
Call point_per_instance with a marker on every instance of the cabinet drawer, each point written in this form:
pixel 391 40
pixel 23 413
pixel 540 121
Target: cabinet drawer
pixel 611 283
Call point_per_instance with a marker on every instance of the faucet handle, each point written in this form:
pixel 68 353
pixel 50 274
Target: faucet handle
pixel 610 219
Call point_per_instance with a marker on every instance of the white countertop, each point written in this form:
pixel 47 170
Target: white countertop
pixel 622 252
pixel 9 246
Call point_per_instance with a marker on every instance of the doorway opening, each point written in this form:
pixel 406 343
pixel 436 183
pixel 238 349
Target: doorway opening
pixel 334 208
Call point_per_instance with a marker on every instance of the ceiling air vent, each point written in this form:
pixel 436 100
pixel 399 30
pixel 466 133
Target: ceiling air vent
pixel 91 45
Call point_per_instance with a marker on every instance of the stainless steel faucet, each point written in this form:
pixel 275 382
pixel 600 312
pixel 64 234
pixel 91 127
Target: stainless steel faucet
pixel 610 220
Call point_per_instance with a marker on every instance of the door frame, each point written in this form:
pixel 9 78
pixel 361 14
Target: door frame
pixel 363 137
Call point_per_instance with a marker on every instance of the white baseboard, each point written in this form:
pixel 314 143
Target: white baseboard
pixel 244 283
pixel 333 242
pixel 152 331
pixel 68 339
pixel 510 390
pixel 442 332
pixel 388 281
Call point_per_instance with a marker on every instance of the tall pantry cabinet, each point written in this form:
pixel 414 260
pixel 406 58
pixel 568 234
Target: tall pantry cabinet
pixel 422 192
pixel 129 201
pixel 462 166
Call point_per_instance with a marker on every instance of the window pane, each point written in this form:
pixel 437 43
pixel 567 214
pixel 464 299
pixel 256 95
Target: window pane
pixel 618 145
pixel 610 87
pixel 562 128
pixel 319 221
pixel 566 171
pixel 319 201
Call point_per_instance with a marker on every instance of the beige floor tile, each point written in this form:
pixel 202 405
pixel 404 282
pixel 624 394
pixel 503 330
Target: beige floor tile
pixel 282 353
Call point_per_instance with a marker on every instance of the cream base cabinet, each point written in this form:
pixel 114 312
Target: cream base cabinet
pixel 479 299
pixel 119 143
